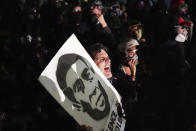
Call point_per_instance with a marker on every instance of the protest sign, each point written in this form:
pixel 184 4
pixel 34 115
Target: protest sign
pixel 78 85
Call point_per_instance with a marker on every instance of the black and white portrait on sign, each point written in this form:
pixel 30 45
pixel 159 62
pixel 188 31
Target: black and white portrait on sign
pixel 77 84
pixel 80 84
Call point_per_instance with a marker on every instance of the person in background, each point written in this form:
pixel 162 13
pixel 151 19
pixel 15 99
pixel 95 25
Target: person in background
pixel 99 32
pixel 126 72
pixel 171 71
pixel 130 59
pixel 135 31
pixel 182 17
pixel 77 24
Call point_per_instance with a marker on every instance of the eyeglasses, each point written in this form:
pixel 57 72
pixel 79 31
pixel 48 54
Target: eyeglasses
pixel 133 51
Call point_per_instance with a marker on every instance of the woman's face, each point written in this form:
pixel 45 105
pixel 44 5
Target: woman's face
pixel 131 51
pixel 103 62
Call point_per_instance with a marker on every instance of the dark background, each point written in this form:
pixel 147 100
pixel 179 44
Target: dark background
pixel 25 104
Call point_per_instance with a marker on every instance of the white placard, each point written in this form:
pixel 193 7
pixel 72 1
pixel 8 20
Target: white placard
pixel 78 85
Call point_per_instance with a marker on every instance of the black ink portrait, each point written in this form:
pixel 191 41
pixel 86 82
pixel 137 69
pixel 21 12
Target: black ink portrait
pixel 82 86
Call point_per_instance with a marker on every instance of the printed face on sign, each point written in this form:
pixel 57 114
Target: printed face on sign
pixel 82 86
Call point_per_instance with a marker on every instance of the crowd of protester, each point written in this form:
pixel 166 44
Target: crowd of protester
pixel 151 47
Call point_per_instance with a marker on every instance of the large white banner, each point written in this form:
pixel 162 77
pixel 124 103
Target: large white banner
pixel 78 85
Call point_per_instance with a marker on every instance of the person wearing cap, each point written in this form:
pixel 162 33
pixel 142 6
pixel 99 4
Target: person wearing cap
pixel 181 33
pixel 174 5
pixel 99 31
pixel 169 75
pixel 126 72
pixel 136 31
pixel 182 18
pixel 97 16
pixel 128 67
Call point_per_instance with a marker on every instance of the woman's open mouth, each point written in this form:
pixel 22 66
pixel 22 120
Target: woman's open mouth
pixel 107 69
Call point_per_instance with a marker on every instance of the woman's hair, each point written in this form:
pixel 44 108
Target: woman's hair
pixel 96 48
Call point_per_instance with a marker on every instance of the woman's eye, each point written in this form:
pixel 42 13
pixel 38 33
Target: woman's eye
pixel 103 59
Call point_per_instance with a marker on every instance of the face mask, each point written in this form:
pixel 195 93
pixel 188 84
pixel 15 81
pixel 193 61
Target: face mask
pixel 134 58
pixel 126 52
pixel 180 38
pixel 77 17
pixel 94 20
